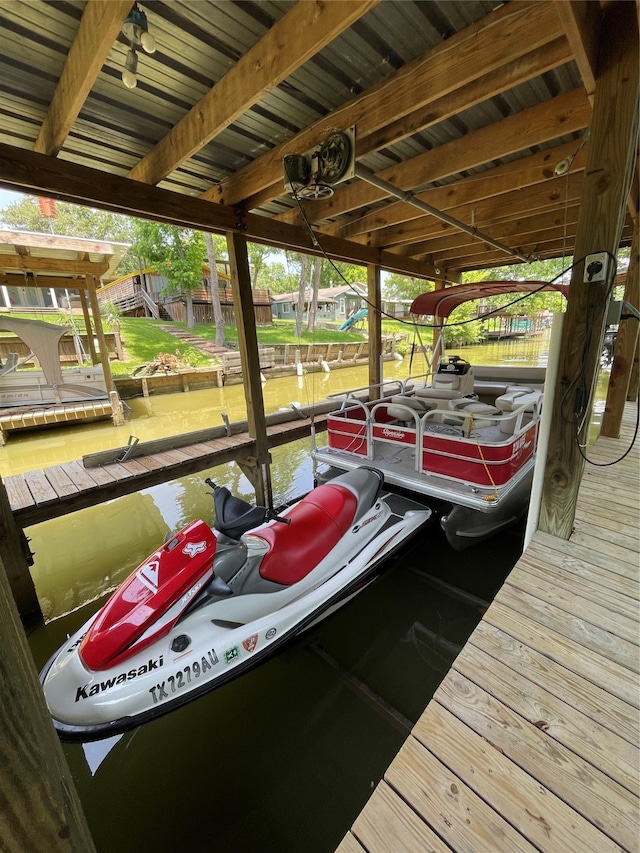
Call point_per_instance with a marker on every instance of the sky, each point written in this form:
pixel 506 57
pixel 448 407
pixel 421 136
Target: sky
pixel 7 198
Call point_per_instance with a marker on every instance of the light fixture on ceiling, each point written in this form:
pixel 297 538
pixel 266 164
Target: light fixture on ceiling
pixel 136 29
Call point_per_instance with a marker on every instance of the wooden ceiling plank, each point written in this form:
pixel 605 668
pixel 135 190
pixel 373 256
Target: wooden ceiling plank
pixel 567 113
pixel 503 37
pixel 99 27
pixel 36 174
pixel 298 35
pixel 517 174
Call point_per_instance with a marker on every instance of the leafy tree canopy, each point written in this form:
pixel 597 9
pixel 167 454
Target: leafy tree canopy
pixel 176 253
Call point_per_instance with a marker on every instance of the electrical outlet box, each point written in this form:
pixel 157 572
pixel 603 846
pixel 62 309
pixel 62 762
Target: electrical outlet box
pixel 595 267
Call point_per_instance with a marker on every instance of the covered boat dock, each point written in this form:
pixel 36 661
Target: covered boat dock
pixel 485 134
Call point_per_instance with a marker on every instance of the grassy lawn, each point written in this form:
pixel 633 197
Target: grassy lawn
pixel 144 339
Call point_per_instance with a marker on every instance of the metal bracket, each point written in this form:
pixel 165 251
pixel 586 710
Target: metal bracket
pixel 133 440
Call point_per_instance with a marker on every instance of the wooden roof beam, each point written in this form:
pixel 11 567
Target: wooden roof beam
pixel 581 22
pixel 516 175
pixel 567 113
pixel 551 195
pixel 99 27
pixel 35 174
pixel 514 231
pixel 55 241
pixel 30 264
pixel 513 43
pixel 299 35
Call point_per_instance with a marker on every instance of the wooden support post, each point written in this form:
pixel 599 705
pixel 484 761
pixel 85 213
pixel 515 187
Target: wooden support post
pixel 610 161
pixel 250 360
pixel 40 810
pixel 97 320
pixel 88 327
pixel 625 347
pixel 374 321
pixel 15 557
pixel 635 375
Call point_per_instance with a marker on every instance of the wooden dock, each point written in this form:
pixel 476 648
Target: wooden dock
pixel 33 417
pixel 531 742
pixel 51 492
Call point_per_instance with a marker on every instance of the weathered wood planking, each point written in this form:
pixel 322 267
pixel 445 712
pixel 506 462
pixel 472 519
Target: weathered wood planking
pixel 40 495
pixel 532 741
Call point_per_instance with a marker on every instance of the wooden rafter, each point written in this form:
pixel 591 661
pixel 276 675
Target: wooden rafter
pixel 552 195
pixel 508 46
pixel 516 175
pixel 99 28
pixel 300 34
pixel 567 113
pixel 580 20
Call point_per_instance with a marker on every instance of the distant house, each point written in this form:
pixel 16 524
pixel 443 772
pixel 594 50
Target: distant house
pixel 143 294
pixel 335 304
pixel 397 308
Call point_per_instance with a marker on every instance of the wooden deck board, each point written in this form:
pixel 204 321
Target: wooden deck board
pixel 397 827
pixel 538 718
pixel 33 498
pixel 579 692
pixel 588 790
pixel 598 745
pixel 541 816
pixel 575 604
pixel 456 813
pixel 18 492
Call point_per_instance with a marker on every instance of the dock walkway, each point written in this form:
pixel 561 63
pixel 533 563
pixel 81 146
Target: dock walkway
pixel 531 742
pixel 40 495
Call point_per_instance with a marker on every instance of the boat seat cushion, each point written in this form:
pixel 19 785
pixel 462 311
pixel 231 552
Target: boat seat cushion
pixel 402 408
pixel 517 396
pixel 318 523
pixel 480 414
pixel 433 393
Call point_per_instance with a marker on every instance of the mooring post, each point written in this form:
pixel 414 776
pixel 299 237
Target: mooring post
pixel 15 557
pixel 41 811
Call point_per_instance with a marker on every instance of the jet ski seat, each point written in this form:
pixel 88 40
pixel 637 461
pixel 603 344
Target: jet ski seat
pixel 328 511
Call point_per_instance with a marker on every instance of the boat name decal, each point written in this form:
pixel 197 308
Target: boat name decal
pixel 85 691
pixel 250 643
pixel 148 575
pixel 393 433
pixel 183 677
pixel 193 548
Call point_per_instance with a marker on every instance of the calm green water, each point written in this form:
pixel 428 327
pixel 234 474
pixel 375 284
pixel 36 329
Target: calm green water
pixel 284 758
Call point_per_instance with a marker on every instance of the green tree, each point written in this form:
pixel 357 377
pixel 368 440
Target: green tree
pixel 177 254
pixel 398 286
